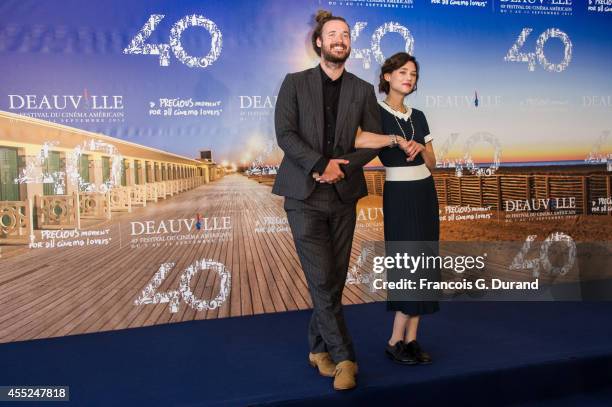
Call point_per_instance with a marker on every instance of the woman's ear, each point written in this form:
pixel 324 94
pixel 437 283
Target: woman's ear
pixel 387 77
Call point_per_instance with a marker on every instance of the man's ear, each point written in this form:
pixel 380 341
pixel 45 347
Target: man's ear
pixel 319 43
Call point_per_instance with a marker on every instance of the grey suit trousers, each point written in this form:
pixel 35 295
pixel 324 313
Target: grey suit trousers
pixel 323 227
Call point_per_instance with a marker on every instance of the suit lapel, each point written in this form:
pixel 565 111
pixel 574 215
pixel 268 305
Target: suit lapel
pixel 346 96
pixel 315 86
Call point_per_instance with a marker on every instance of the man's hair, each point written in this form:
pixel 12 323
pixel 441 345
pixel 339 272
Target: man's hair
pixel 395 62
pixel 322 17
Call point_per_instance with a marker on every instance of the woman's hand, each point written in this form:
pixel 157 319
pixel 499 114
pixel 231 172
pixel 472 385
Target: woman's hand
pixel 412 149
pixel 402 144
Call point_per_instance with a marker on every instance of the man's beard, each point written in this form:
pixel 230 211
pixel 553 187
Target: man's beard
pixel 330 57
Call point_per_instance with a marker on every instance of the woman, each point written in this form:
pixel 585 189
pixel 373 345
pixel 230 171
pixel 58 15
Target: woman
pixel 410 203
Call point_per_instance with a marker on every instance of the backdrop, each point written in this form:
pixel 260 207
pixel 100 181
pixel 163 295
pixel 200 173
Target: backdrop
pixel 137 146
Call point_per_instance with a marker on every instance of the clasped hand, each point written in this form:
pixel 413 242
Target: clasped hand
pixel 411 148
pixel 333 173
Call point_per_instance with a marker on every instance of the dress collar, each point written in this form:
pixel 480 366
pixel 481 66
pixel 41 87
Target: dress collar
pixel 400 115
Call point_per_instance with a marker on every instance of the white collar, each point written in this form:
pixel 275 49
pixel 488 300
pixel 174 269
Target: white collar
pixel 403 116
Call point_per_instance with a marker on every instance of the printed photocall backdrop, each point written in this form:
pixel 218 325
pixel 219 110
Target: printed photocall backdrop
pixel 137 148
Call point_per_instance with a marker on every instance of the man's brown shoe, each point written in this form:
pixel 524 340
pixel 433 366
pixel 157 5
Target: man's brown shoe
pixel 345 375
pixel 323 362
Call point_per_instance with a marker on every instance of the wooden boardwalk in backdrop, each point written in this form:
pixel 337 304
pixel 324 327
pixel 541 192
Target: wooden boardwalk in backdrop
pixel 67 291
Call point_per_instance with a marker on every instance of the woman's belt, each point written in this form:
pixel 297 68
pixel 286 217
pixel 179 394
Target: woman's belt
pixel 410 173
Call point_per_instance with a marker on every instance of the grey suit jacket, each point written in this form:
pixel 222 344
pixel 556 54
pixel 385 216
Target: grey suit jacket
pixel 298 120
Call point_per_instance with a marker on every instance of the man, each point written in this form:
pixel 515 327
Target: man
pixel 318 112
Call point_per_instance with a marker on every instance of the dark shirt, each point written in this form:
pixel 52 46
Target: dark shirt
pixel 331 96
pixel 393 156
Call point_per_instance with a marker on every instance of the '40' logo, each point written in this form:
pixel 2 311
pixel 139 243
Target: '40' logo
pixel 365 54
pixel 514 55
pixel 137 45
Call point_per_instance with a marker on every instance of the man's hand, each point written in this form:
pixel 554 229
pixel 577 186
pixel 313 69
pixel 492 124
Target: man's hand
pixel 332 173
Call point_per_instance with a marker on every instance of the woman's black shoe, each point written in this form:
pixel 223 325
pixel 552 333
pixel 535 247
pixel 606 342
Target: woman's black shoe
pixel 398 354
pixel 414 349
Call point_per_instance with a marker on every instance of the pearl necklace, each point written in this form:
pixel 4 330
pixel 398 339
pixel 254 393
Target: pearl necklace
pixel 398 123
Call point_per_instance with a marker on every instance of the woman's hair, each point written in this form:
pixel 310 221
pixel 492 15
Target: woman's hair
pixel 322 17
pixel 395 62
